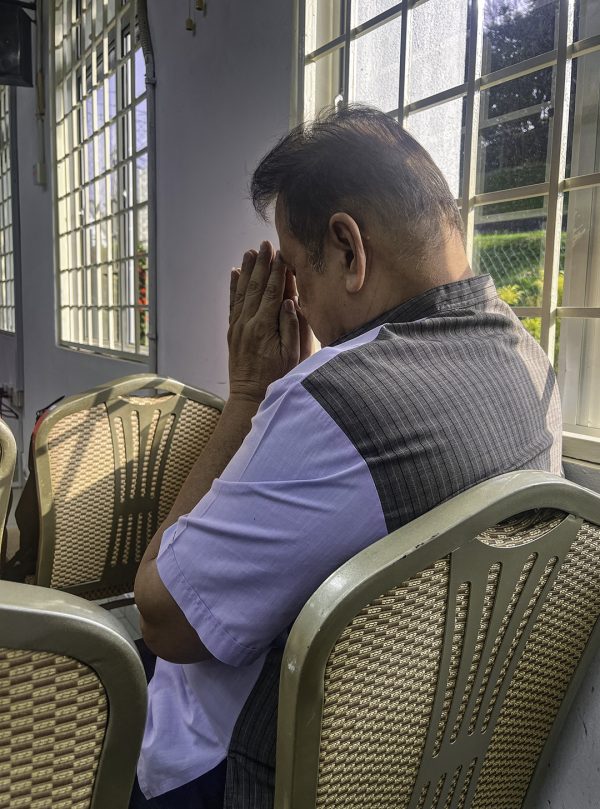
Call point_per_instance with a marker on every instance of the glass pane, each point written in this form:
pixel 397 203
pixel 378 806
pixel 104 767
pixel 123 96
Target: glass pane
pixel 583 145
pixel 515 30
pixel 587 19
pixel 581 238
pixel 375 67
pixel 514 127
pixel 142 230
pixel 364 10
pixel 141 125
pixel 323 82
pixel 510 246
pixel 140 73
pixel 323 23
pixel 533 326
pixel 142 178
pixel 437 53
pixel 112 96
pixel 440 130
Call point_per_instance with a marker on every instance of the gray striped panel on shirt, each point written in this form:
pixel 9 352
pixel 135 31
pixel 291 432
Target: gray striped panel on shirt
pixel 437 405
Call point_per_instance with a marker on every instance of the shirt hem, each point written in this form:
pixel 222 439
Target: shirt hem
pixel 176 781
pixel 218 642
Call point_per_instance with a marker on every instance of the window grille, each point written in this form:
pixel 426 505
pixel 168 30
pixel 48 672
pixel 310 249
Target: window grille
pixel 7 278
pixel 101 188
pixel 504 95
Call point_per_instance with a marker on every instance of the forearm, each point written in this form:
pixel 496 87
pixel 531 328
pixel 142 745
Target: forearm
pixel 264 344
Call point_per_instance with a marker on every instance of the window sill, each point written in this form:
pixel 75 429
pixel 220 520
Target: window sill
pixel 581 447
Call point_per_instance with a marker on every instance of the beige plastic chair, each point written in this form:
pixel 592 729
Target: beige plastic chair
pixel 72 703
pixel 109 465
pixel 435 668
pixel 8 458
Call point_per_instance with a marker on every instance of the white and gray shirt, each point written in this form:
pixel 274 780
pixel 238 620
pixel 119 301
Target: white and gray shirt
pixel 441 393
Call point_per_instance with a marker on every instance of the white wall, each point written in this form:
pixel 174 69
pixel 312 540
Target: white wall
pixel 223 97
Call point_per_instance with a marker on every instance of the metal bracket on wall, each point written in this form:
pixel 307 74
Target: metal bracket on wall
pixel 190 23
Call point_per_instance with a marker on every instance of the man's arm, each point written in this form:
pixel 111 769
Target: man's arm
pixel 264 344
pixel 164 626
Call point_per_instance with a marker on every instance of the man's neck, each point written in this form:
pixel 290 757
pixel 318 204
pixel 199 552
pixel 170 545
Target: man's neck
pixel 390 286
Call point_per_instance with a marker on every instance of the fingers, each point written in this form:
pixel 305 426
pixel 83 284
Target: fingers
pixel 305 335
pixel 233 282
pixel 289 331
pixel 290 291
pixel 237 301
pixel 256 281
pixel 273 293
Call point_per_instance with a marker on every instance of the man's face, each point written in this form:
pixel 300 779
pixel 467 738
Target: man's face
pixel 318 292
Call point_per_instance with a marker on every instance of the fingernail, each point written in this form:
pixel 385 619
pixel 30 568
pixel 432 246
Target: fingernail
pixel 264 246
pixel 288 305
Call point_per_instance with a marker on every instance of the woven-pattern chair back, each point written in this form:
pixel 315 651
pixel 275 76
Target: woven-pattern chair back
pixel 8 457
pixel 52 727
pixel 110 465
pixel 441 691
pixel 72 703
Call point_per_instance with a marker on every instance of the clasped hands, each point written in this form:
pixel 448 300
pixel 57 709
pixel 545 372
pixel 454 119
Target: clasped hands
pixel 268 334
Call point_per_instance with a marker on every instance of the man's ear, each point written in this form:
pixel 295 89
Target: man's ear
pixel 346 240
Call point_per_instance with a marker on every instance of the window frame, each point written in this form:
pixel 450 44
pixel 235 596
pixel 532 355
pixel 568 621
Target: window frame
pixel 125 161
pixel 8 286
pixel 578 442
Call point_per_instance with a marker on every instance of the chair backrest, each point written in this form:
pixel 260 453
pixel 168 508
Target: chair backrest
pixel 73 697
pixel 8 458
pixel 109 465
pixel 435 668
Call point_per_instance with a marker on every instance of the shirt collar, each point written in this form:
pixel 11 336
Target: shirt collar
pixel 457 295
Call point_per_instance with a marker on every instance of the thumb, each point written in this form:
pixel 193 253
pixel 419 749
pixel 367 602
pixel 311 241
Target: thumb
pixel 289 332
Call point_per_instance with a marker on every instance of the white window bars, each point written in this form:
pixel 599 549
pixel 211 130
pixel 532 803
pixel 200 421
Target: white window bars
pixel 7 277
pixel 101 183
pixel 504 95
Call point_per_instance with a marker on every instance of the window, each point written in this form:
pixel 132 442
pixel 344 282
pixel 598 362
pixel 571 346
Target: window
pixel 504 95
pixel 7 278
pixel 101 183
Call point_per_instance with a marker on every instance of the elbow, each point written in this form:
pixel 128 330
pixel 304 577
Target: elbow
pixel 169 646
pixel 153 641
pixel 165 629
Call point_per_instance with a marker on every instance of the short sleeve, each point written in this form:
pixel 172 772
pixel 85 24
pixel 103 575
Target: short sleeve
pixel 296 501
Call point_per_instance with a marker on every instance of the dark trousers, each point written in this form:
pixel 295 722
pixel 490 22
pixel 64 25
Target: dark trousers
pixel 206 792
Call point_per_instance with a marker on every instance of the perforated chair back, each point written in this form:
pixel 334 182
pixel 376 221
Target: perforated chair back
pixel 73 703
pixel 435 668
pixel 109 465
pixel 8 458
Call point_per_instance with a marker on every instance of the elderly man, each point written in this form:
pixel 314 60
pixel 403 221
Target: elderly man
pixel 426 384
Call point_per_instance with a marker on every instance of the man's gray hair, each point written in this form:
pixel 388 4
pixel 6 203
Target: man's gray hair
pixel 361 161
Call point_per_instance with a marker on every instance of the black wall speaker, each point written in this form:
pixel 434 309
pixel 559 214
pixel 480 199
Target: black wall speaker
pixel 15 46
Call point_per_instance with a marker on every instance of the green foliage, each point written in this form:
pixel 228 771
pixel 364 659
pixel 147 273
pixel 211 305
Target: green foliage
pixel 516 263
pixel 510 294
pixel 533 326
